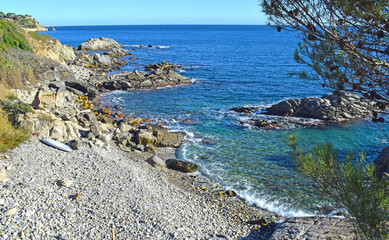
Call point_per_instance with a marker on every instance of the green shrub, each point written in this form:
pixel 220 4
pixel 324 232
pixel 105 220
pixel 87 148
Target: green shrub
pixel 10 137
pixel 39 37
pixel 11 36
pixel 15 107
pixel 351 183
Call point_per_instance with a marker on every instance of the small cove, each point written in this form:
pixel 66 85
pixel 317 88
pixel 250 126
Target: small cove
pixel 232 66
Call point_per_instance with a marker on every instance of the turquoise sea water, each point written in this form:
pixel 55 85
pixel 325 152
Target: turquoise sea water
pixel 231 66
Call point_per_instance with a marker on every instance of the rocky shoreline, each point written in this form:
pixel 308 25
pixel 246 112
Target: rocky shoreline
pixel 112 185
pixel 313 111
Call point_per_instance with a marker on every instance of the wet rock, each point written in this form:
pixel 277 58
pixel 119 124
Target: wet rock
pixel 164 66
pixel 99 44
pixel 265 124
pixel 157 162
pixel 230 193
pixel 382 163
pixel 246 110
pixel 181 166
pixel 209 142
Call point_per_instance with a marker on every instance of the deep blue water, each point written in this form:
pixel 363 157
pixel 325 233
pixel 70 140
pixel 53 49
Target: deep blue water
pixel 231 66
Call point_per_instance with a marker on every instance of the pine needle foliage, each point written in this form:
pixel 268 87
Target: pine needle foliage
pixel 349 182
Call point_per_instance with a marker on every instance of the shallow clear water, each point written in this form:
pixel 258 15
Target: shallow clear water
pixel 231 66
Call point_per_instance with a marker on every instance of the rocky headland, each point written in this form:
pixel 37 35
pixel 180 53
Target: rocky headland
pixel 122 179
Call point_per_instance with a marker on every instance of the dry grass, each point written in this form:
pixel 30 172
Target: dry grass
pixel 15 70
pixel 4 92
pixel 9 136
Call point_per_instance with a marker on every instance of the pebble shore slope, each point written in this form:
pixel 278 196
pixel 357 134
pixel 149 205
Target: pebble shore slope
pixel 112 195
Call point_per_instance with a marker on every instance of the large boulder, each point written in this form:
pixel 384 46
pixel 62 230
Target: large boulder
pixel 45 99
pixel 84 87
pixel 168 139
pixel 102 60
pixel 47 124
pixel 382 162
pixel 181 166
pixel 99 44
pixel 346 106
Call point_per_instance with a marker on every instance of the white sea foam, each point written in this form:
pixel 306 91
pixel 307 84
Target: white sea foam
pixel 163 47
pixel 274 206
pixel 195 80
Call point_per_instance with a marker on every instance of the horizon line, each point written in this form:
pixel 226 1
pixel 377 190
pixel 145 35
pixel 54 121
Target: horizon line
pixel 189 24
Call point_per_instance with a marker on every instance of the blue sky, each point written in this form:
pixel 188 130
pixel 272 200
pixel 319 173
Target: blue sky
pixel 134 12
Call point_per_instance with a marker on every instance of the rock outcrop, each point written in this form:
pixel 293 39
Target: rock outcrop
pixel 327 108
pixel 99 44
pixel 51 48
pixel 164 66
pixel 141 80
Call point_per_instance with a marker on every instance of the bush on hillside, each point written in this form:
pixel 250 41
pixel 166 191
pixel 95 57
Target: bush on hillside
pixel 11 37
pixel 10 137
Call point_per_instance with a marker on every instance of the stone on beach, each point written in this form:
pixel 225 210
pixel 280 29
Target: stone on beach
pixel 157 162
pixel 182 166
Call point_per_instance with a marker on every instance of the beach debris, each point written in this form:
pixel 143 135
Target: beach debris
pixel 76 196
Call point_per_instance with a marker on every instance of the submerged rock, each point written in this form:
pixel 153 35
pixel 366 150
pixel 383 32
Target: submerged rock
pixel 245 109
pixel 181 166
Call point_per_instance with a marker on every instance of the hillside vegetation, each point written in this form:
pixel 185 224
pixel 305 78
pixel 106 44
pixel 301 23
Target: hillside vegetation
pixel 13 73
pixel 25 21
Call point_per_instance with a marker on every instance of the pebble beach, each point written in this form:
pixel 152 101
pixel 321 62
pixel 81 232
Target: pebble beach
pixel 107 193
